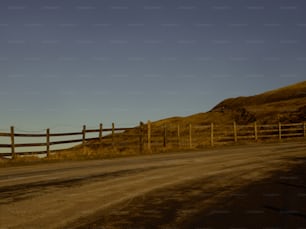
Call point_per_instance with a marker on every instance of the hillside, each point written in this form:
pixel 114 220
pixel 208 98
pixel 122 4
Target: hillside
pixel 287 104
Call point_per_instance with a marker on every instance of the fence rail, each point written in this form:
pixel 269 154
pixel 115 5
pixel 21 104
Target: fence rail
pixel 150 136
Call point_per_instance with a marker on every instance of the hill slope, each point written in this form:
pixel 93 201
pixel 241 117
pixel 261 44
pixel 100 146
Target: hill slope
pixel 287 104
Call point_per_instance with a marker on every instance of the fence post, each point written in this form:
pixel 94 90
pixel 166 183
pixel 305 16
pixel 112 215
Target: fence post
pixel 141 137
pixel 235 132
pixel 304 127
pixel 255 131
pixel 279 131
pixel 84 137
pixel 48 142
pixel 113 134
pixel 190 136
pixel 165 136
pixel 149 135
pixel 100 132
pixel 84 134
pixel 178 136
pixel 13 142
pixel 212 134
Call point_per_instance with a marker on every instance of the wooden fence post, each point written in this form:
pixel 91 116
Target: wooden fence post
pixel 84 134
pixel 13 142
pixel 178 136
pixel 212 134
pixel 149 135
pixel 141 137
pixel 235 132
pixel 100 132
pixel 48 142
pixel 255 131
pixel 190 136
pixel 113 134
pixel 84 137
pixel 279 131
pixel 165 136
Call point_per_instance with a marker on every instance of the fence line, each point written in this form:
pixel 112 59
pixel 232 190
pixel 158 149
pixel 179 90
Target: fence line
pixel 48 142
pixel 166 136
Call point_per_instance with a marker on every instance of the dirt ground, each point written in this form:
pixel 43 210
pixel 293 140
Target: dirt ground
pixel 276 202
pixel 256 186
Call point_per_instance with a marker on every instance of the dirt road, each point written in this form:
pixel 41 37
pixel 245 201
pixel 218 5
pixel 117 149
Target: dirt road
pixel 132 192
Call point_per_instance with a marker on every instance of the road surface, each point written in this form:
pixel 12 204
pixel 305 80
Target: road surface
pixel 170 190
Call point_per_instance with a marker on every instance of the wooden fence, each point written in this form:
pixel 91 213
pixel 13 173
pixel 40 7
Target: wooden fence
pixel 150 136
pixel 48 143
pixel 199 136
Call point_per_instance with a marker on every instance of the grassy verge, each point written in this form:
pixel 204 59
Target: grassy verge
pixel 98 152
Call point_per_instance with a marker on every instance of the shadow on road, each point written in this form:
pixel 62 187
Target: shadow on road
pixel 276 202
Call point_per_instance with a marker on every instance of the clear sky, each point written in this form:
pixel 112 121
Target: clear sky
pixel 65 63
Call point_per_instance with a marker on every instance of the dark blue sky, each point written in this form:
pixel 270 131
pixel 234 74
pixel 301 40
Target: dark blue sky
pixel 68 63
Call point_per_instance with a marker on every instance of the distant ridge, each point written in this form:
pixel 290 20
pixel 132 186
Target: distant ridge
pixel 294 91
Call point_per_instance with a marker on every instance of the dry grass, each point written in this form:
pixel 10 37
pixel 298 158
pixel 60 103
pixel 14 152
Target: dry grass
pixel 23 160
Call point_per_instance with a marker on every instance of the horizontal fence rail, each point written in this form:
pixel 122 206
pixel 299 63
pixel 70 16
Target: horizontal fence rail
pixel 151 136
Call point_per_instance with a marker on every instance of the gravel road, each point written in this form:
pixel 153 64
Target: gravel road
pixel 164 189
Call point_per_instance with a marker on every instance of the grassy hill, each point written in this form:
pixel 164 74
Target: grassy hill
pixel 287 104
